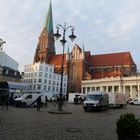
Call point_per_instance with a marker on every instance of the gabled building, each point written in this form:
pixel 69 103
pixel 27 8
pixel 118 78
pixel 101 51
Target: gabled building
pixel 80 64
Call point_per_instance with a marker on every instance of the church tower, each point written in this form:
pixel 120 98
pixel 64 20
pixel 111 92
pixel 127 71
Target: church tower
pixel 45 47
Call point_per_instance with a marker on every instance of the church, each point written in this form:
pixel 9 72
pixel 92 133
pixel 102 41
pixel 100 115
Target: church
pixel 79 64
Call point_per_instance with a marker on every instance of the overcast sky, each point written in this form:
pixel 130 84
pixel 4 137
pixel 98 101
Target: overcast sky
pixel 103 26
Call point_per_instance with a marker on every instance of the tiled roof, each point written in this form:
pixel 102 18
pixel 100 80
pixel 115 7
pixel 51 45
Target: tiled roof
pixel 57 59
pixel 112 59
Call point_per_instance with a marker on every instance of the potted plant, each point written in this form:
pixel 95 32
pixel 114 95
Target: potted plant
pixel 128 127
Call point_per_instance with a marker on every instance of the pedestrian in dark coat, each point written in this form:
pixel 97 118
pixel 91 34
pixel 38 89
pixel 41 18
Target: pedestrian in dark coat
pixel 38 101
pixel 46 101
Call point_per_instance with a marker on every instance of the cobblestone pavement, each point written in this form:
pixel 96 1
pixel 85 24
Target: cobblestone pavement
pixel 28 124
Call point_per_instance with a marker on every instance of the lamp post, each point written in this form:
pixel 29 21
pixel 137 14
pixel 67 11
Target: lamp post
pixel 1 43
pixel 63 42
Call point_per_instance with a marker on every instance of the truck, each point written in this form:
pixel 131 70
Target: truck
pixel 117 100
pixel 96 100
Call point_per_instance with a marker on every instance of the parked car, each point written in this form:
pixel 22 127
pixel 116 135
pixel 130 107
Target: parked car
pixel 135 101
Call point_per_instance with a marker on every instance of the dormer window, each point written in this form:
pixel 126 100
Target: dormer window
pixel 6 72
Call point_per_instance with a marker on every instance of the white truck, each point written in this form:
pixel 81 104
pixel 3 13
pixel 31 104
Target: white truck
pixel 117 100
pixel 28 100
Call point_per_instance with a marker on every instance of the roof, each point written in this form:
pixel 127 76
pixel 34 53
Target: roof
pixel 57 59
pixel 49 21
pixel 14 85
pixel 112 59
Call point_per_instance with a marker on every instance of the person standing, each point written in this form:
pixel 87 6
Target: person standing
pixel 38 103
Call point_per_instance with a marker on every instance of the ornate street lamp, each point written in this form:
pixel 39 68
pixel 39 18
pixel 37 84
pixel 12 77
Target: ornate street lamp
pixel 63 42
pixel 1 43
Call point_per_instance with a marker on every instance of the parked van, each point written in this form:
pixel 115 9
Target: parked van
pixel 28 100
pixel 96 100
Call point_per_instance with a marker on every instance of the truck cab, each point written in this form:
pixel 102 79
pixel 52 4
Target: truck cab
pixel 96 100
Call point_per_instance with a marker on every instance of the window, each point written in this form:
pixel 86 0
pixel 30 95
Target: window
pixel 50 69
pixel 40 74
pixel 45 81
pixel 41 68
pixel 35 73
pixel 6 71
pixel 39 87
pixel 53 88
pixel 15 73
pixel 54 77
pixel 64 84
pixel 44 87
pixel 46 74
pixel 50 75
pixel 49 88
pixel 34 80
pixel 40 80
pixel 46 69
pixel 34 86
pixel 29 97
pixel 53 82
pixel 50 82
pixel 57 89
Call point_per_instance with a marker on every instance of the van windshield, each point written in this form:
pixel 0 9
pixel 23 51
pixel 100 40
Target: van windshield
pixel 93 97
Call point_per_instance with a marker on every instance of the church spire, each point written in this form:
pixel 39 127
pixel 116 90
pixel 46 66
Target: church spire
pixel 49 21
pixel 45 47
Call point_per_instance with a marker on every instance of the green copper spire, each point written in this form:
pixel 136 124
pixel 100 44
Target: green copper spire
pixel 83 47
pixel 49 21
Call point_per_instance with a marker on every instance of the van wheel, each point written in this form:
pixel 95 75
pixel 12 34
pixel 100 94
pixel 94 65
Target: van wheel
pixel 24 105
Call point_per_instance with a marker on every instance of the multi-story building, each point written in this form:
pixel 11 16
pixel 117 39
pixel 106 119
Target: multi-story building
pixel 41 77
pixel 8 68
pixel 80 64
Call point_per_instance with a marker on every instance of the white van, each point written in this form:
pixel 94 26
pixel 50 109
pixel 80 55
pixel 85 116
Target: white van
pixel 96 100
pixel 28 100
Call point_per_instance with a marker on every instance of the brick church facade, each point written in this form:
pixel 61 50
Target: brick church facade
pixel 80 64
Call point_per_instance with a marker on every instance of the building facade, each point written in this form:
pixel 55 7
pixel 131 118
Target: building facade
pixel 8 68
pixel 80 64
pixel 129 86
pixel 42 78
pixel 7 61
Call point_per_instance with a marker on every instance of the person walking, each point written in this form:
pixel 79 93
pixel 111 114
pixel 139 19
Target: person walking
pixel 4 100
pixel 46 101
pixel 38 103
